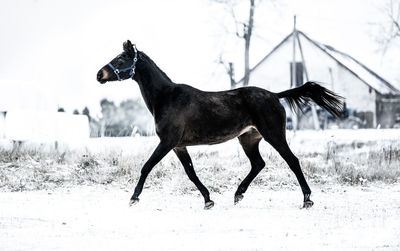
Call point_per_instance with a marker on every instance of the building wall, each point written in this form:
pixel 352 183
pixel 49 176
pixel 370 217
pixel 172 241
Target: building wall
pixel 274 73
pixel 358 95
pixel 388 110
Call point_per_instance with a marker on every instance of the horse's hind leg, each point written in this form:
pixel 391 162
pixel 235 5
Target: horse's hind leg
pixel 278 141
pixel 294 164
pixel 186 161
pixel 276 136
pixel 249 142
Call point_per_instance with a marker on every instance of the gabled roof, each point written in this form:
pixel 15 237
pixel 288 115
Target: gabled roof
pixel 356 68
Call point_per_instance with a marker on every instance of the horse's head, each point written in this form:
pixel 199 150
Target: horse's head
pixel 121 67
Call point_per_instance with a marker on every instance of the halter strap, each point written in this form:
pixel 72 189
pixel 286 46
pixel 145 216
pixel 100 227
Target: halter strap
pixel 131 68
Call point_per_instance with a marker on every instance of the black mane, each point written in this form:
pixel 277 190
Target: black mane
pixel 147 59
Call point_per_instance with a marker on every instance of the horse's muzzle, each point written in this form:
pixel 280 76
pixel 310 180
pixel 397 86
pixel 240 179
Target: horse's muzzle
pixel 100 77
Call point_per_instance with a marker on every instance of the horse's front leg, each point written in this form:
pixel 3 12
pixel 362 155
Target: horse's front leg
pixel 186 161
pixel 162 149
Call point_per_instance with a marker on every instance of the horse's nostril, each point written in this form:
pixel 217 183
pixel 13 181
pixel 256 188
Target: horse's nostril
pixel 99 75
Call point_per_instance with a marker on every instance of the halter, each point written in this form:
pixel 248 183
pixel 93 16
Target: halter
pixel 131 68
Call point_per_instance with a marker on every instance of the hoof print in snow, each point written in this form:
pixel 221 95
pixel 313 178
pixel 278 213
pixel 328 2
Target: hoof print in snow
pixel 209 204
pixel 238 198
pixel 133 201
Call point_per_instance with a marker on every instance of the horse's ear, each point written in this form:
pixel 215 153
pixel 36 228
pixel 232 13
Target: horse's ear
pixel 128 47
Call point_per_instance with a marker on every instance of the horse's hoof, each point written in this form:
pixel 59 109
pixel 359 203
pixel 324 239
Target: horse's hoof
pixel 209 204
pixel 308 204
pixel 238 198
pixel 133 201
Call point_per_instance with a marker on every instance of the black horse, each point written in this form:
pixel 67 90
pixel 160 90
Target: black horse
pixel 186 116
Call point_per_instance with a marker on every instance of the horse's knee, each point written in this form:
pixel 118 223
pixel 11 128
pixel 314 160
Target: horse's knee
pixel 146 170
pixel 193 178
pixel 293 160
pixel 258 164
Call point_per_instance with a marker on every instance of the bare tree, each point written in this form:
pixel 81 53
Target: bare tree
pixel 230 70
pixel 247 30
pixel 390 28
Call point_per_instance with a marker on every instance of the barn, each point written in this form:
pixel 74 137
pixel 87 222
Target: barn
pixel 369 97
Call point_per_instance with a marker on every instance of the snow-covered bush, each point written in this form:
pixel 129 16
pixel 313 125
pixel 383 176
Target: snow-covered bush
pixel 324 159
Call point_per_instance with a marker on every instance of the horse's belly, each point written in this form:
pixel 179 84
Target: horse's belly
pixel 210 137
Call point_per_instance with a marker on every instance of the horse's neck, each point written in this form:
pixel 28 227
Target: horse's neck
pixel 153 84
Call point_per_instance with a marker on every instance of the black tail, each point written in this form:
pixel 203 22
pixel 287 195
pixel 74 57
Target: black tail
pixel 323 97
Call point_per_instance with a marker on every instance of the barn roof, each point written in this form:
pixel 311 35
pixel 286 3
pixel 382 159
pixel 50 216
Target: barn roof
pixel 355 67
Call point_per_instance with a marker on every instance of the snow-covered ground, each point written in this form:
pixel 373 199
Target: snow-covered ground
pixel 98 218
pixel 76 197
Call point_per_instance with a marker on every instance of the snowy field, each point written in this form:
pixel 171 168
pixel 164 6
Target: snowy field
pixel 76 197
pixel 98 218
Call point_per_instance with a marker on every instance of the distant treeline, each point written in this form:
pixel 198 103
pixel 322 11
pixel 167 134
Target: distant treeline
pixel 128 118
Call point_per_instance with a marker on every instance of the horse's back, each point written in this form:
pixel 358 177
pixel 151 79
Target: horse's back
pixel 239 96
pixel 215 117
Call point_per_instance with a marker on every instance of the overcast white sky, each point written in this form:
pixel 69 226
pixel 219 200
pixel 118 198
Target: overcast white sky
pixel 53 49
